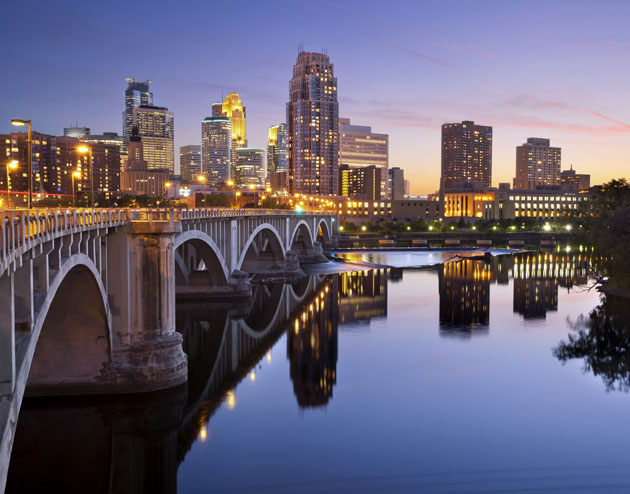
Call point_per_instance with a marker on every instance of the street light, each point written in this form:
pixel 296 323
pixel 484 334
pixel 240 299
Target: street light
pixel 29 157
pixel 11 165
pixel 75 174
pixel 203 179
pixel 230 183
pixel 84 149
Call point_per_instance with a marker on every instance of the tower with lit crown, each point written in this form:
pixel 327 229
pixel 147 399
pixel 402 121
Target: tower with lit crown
pixel 313 127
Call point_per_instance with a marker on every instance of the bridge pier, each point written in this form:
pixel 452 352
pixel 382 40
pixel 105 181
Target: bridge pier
pixel 147 353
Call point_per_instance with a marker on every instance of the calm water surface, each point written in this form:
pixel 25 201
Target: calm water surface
pixel 465 377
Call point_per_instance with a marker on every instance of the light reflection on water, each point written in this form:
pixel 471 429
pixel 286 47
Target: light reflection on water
pixel 457 378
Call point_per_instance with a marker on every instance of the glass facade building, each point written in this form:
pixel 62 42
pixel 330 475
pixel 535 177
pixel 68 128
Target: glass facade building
pixel 216 149
pixel 190 161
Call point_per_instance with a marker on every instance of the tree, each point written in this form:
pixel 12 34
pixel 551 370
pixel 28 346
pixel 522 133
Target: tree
pixel 605 222
pixel 603 341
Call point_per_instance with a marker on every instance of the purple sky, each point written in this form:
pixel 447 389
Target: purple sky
pixel 530 69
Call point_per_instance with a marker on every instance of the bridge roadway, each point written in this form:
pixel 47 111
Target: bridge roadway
pixel 87 297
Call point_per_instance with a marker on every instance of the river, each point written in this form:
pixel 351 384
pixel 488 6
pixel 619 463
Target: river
pixel 466 376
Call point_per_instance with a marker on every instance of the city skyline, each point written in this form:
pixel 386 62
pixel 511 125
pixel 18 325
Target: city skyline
pixel 427 76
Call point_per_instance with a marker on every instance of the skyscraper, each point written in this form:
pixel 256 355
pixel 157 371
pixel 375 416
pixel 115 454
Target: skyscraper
pixel 156 128
pixel 466 154
pixel 313 129
pixel 234 110
pixel 250 167
pixel 136 94
pixel 277 159
pixel 190 161
pixel 537 163
pixel 359 148
pixel 216 149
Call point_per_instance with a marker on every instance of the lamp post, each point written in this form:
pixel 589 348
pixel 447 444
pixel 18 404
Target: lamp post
pixel 203 179
pixel 167 186
pixel 230 183
pixel 252 187
pixel 29 157
pixel 75 174
pixel 84 149
pixel 11 165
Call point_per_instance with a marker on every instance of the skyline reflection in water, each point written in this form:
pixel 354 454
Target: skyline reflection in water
pixel 366 348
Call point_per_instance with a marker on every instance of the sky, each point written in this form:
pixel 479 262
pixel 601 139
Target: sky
pixel 553 69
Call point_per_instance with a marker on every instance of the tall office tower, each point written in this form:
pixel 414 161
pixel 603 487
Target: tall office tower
pixel 190 161
pixel 277 159
pixel 396 183
pixel 136 94
pixel 250 167
pixel 360 147
pixel 575 181
pixel 313 128
pixel 216 149
pixel 157 130
pixel 537 163
pixel 466 154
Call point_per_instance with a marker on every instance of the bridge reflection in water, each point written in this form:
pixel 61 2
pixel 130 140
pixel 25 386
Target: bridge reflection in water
pixel 136 443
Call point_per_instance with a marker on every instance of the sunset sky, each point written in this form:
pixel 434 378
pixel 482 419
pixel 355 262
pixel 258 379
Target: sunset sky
pixel 559 70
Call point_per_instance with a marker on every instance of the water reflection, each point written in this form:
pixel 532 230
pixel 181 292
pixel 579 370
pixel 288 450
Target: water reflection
pixel 464 294
pixel 138 444
pixel 602 341
pixel 464 287
pixel 363 295
pixel 312 348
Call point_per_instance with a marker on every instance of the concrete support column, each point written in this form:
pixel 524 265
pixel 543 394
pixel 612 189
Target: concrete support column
pixel 23 295
pixel 148 354
pixel 7 336
pixel 233 246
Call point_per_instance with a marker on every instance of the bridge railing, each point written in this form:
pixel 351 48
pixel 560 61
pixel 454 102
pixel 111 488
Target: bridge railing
pixel 21 229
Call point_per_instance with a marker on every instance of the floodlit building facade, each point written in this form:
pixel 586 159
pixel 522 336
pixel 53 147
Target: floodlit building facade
pixel 313 126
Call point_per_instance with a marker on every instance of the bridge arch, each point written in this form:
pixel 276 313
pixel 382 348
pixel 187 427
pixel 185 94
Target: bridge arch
pixel 302 236
pixel 207 251
pixel 272 245
pixel 323 233
pixel 71 347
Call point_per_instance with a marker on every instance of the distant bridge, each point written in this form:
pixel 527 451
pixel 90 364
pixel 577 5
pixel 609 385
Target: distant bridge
pixel 87 297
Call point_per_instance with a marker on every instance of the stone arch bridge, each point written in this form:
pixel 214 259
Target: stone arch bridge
pixel 87 297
